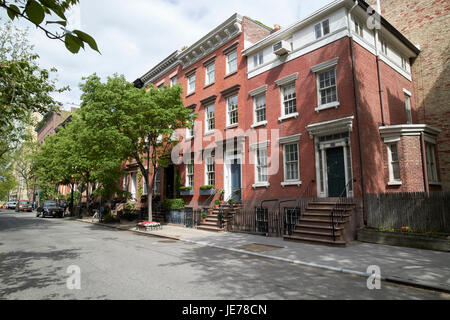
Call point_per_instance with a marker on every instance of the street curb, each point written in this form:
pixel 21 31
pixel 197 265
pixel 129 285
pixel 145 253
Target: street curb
pixel 297 262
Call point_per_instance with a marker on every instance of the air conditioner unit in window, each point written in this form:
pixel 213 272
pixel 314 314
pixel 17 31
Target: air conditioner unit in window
pixel 281 47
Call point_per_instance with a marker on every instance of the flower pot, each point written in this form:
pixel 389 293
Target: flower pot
pixel 216 206
pixel 203 219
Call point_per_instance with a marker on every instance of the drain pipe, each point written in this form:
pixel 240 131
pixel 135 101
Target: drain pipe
pixel 380 83
pixel 356 95
pixel 424 164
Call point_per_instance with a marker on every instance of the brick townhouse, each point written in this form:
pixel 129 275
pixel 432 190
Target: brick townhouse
pixel 327 103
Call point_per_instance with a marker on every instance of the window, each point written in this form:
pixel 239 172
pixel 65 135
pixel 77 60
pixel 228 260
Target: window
pixel 124 183
pixel 258 59
pixel 383 47
pixel 190 173
pixel 404 64
pixel 289 99
pixel 260 108
pixel 394 165
pixel 291 167
pixel 210 70
pixel 209 118
pixel 408 109
pixel 191 83
pixel 173 81
pixel 210 175
pixel 232 62
pixel 190 130
pixel 322 29
pixel 261 175
pixel 161 86
pixel 232 107
pixel 359 29
pixel 157 187
pixel 327 87
pixel 431 162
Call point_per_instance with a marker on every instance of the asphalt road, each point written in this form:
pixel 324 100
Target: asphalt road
pixel 36 253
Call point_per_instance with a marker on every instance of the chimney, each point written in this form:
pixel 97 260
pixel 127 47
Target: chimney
pixel 276 27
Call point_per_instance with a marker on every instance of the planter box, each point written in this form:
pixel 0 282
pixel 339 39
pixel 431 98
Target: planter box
pixel 186 192
pixel 174 216
pixel 207 192
pixel 404 240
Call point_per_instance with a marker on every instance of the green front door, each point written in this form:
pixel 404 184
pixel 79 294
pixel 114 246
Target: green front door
pixel 336 171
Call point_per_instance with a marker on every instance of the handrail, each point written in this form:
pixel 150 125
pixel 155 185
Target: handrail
pixel 267 200
pixel 339 202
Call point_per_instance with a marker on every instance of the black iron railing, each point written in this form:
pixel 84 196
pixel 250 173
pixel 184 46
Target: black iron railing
pixel 339 209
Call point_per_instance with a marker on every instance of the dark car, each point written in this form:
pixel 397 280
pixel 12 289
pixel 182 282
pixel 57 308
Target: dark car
pixel 50 209
pixel 24 205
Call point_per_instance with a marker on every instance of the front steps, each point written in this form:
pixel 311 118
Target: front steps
pixel 212 221
pixel 315 224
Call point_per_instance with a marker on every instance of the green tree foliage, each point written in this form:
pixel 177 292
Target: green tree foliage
pixel 134 124
pixel 24 88
pixel 7 180
pixel 42 13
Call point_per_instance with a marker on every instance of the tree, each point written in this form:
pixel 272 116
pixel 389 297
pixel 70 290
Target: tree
pixel 7 180
pixel 25 88
pixel 137 125
pixel 39 11
pixel 23 165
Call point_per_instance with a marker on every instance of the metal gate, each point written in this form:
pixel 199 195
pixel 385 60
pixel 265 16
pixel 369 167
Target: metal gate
pixel 291 217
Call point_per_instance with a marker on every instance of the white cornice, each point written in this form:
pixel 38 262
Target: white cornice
pixel 161 67
pixel 222 34
pixel 325 65
pixel 391 132
pixel 330 127
pixel 290 139
pixel 258 91
pixel 286 80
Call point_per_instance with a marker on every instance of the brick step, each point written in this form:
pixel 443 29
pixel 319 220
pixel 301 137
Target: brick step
pixel 317 235
pixel 209 228
pixel 303 226
pixel 314 241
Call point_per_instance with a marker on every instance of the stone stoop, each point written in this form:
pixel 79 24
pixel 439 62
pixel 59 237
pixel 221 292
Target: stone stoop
pixel 315 225
pixel 212 221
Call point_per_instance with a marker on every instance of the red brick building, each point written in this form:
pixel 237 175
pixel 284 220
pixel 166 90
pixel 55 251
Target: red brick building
pixel 327 102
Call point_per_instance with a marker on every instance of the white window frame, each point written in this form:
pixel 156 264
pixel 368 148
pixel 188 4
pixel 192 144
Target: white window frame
pixel 384 47
pixel 258 59
pixel 285 163
pixel 157 181
pixel 232 114
pixel 256 109
pixel 332 104
pixel 208 165
pixel 259 182
pixel 210 75
pixel 209 119
pixel 191 84
pixel 190 174
pixel 430 149
pixel 321 26
pixel 392 179
pixel 408 107
pixel 173 81
pixel 283 108
pixel 359 29
pixel 230 62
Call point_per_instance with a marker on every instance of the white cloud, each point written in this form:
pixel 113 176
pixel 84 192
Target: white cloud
pixel 135 35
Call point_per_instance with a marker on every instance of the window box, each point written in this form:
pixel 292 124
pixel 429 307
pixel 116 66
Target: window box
pixel 186 191
pixel 207 190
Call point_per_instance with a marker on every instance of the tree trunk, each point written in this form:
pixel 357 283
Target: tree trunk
pixel 71 199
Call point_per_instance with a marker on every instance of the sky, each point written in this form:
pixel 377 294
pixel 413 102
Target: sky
pixel 134 35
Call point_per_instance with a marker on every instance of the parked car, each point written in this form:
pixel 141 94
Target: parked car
pixel 2 204
pixel 50 209
pixel 24 205
pixel 11 205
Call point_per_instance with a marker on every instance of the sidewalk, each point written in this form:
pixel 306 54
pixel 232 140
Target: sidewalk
pixel 417 267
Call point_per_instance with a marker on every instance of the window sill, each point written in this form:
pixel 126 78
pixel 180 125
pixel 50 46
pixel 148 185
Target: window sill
pixel 189 138
pixel 259 124
pixel 394 183
pixel 231 126
pixel 209 133
pixel 190 94
pixel 288 116
pixel 230 74
pixel 330 105
pixel 209 85
pixel 291 183
pixel 261 185
pixel 434 183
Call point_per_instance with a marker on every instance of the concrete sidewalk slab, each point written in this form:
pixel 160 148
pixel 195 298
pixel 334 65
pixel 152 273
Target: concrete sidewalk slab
pixel 417 267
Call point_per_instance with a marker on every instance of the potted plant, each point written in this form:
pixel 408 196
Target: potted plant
pixel 217 203
pixel 231 202
pixel 186 191
pixel 221 192
pixel 207 190
pixel 203 216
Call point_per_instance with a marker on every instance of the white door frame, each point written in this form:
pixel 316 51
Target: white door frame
pixel 321 147
pixel 229 159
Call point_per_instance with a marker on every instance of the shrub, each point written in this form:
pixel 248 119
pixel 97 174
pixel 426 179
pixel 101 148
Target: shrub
pixel 173 204
pixel 185 188
pixel 207 187
pixel 109 218
pixel 217 201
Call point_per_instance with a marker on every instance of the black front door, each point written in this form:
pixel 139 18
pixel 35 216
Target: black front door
pixel 169 180
pixel 336 171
